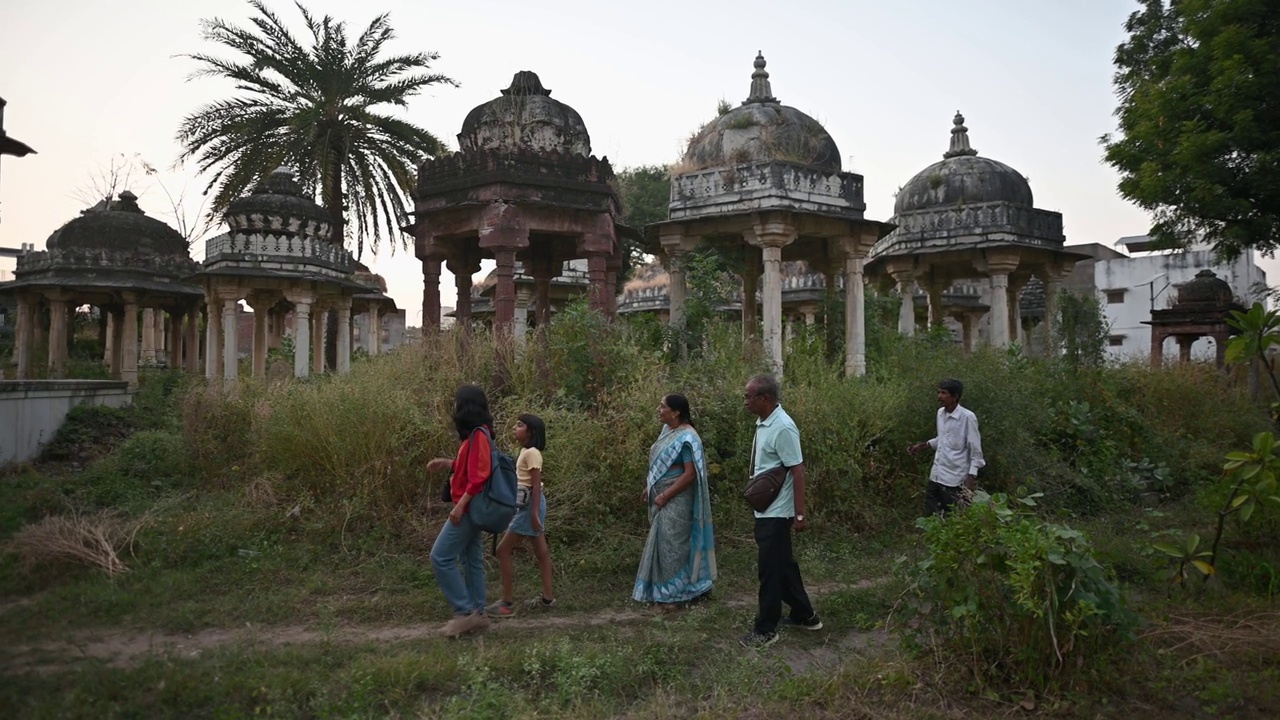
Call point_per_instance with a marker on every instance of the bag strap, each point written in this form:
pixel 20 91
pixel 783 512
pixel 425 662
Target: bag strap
pixel 751 469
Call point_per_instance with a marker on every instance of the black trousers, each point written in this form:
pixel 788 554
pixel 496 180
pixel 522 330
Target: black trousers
pixel 941 499
pixel 780 580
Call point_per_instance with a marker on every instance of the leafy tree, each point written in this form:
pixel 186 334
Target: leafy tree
pixel 645 192
pixel 1199 140
pixel 1081 330
pixel 314 107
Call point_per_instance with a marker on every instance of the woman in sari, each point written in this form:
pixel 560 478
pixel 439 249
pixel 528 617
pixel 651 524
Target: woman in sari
pixel 679 560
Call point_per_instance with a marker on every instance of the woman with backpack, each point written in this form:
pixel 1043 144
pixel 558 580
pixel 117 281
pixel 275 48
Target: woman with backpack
pixel 459 540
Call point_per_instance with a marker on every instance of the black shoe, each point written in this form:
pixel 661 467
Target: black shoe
pixel 757 641
pixel 813 623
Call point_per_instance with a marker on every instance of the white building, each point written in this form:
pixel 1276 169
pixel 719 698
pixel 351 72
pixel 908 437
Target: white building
pixel 1129 288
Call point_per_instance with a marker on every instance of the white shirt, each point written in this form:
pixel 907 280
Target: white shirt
pixel 958 447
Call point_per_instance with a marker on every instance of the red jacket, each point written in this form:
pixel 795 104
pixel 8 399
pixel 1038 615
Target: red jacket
pixel 471 467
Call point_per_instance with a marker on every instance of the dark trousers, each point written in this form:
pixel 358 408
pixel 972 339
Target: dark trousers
pixel 779 575
pixel 940 499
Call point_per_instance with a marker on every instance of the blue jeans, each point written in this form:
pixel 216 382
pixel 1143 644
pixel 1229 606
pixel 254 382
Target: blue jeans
pixel 454 543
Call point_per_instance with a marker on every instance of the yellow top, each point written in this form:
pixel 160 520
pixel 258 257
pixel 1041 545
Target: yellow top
pixel 530 459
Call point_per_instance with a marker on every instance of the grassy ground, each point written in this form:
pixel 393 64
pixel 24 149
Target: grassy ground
pixel 295 621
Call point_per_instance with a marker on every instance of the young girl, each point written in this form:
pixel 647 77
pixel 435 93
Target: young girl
pixel 531 433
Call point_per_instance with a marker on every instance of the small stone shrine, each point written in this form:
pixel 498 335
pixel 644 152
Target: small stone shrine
pixel 968 218
pixel 278 257
pixel 764 182
pixel 117 258
pixel 522 189
pixel 1201 310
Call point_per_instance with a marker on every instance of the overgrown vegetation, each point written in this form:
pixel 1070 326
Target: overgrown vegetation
pixel 300 509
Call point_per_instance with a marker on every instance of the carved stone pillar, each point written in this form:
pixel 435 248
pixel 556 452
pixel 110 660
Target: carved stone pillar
pixel 213 336
pixel 230 337
pixel 855 318
pixel 191 347
pixel 674 246
pixel 771 234
pixel 596 273
pixel 148 336
pixel 936 314
pixel 430 295
pixel 504 295
pixel 173 341
pixel 542 269
pixel 344 336
pixel 999 267
pixel 903 272
pixel 1157 347
pixel 463 268
pixel 1220 340
pixel 24 340
pixel 301 336
pixel 57 338
pixel 613 266
pixel 129 344
pixel 967 321
pixel 319 329
pixel 1016 332
pixel 522 313
pixel 1184 347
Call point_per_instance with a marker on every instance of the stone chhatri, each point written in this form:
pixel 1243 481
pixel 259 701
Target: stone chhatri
pixel 962 177
pixel 525 117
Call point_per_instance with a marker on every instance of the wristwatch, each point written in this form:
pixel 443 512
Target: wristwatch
pixel 799 518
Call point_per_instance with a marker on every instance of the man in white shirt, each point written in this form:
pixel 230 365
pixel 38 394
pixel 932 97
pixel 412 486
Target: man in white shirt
pixel 958 451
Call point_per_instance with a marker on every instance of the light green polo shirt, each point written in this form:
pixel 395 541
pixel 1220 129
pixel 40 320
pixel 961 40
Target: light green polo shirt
pixel 778 443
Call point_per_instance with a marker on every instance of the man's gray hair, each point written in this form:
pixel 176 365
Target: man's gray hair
pixel 765 385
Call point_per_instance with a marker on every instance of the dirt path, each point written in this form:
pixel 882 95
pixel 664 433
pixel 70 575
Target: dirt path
pixel 124 649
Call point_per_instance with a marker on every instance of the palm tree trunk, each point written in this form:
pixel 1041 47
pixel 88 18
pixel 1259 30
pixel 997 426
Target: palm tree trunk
pixel 337 221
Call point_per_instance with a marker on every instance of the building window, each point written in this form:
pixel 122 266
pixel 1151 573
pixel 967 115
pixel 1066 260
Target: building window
pixel 1115 297
pixel 1115 341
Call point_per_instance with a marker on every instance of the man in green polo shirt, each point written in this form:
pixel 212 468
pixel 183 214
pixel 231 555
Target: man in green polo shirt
pixel 777 443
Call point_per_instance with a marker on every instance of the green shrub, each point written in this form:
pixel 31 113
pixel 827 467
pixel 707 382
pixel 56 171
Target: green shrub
pixel 146 465
pixel 1012 597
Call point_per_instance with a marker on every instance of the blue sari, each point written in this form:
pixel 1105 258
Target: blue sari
pixel 679 559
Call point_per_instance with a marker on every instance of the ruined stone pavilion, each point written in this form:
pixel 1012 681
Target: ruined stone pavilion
pixel 764 182
pixel 970 221
pixel 126 263
pixel 1200 310
pixel 278 257
pixel 524 190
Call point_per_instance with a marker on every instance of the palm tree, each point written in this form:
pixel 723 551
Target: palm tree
pixel 313 108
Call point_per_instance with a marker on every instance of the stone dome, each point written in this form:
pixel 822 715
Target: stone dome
pixel 525 118
pixel 118 225
pixel 961 177
pixel 760 130
pixel 367 277
pixel 278 202
pixel 1206 289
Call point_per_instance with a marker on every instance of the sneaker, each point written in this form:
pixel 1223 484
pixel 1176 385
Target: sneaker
pixel 462 624
pixel 757 641
pixel 500 609
pixel 541 603
pixel 813 623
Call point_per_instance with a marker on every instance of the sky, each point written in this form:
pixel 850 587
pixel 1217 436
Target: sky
pixel 92 80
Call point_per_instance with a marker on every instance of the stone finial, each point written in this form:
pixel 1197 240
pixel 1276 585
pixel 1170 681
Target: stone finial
pixel 526 82
pixel 127 202
pixel 959 139
pixel 761 92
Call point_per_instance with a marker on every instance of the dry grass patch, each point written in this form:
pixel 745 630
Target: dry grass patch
pixel 96 540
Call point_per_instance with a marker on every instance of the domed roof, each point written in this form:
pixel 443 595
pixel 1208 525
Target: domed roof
pixel 118 225
pixel 369 278
pixel 962 177
pixel 1206 289
pixel 278 197
pixel 761 129
pixel 525 118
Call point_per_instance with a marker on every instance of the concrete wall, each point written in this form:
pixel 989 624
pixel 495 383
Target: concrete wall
pixel 31 411
pixel 1132 278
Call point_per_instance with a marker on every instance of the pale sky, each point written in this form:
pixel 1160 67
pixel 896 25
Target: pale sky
pixel 89 79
